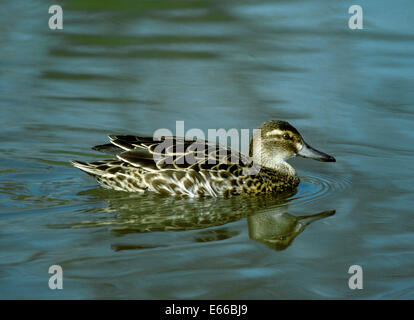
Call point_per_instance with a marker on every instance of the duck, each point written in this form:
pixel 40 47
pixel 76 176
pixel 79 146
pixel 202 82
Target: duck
pixel 183 166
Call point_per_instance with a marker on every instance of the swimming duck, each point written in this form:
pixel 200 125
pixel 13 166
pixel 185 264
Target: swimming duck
pixel 192 167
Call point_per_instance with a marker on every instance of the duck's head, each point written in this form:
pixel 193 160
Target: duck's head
pixel 277 141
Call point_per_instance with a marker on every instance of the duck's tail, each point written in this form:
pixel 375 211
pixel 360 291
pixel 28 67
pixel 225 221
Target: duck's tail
pixel 113 174
pixel 89 168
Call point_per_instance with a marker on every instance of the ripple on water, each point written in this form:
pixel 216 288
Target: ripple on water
pixel 314 188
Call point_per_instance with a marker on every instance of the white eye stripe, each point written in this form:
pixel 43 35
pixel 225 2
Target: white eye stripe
pixel 275 132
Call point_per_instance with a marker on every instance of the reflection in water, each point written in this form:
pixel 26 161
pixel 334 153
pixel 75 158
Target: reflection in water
pixel 277 228
pixel 267 217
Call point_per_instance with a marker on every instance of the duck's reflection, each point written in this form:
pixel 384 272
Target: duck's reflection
pixel 267 217
pixel 277 229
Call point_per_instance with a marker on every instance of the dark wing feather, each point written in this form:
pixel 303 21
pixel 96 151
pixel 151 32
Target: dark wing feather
pixel 108 149
pixel 129 142
pixel 139 158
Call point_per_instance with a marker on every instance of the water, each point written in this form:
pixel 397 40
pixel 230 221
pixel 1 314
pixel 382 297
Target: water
pixel 137 66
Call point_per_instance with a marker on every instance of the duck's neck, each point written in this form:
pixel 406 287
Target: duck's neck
pixel 275 163
pixel 278 165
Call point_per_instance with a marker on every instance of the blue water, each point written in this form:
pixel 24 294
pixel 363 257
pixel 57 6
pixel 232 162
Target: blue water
pixel 137 66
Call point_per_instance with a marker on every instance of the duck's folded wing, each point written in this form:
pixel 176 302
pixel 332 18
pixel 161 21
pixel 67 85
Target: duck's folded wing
pixel 174 153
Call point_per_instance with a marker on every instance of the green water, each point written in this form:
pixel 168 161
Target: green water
pixel 137 66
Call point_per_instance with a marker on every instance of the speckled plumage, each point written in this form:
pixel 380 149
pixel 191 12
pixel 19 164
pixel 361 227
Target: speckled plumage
pixel 189 167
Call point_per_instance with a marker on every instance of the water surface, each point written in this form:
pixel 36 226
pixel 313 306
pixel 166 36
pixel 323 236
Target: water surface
pixel 137 66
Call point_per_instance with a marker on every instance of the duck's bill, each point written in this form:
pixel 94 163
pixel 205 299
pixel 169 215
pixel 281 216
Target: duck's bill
pixel 308 152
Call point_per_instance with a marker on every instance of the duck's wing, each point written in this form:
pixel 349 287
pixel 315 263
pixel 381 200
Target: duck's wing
pixel 170 152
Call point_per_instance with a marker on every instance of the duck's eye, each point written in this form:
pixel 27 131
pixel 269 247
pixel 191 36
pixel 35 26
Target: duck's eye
pixel 287 137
